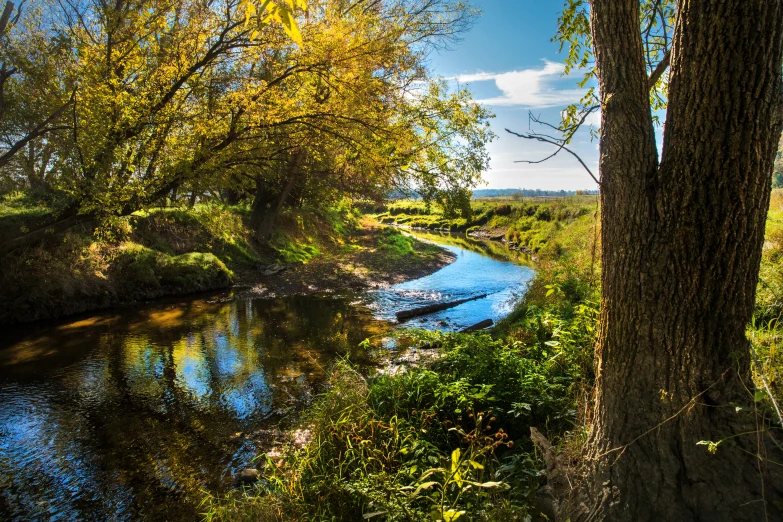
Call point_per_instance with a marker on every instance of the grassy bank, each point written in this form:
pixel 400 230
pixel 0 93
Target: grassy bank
pixel 450 440
pixel 175 251
pixel 530 223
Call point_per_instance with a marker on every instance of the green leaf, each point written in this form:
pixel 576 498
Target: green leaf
pixel 452 514
pixel 423 486
pixel 758 396
pixel 455 455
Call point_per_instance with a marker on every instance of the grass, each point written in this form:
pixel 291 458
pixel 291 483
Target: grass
pixel 395 243
pixel 20 214
pixel 303 235
pixel 766 331
pixel 529 223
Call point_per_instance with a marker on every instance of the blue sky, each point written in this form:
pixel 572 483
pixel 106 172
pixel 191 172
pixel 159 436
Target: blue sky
pixel 509 63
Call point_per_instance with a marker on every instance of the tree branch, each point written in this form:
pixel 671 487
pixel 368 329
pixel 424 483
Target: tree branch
pixel 561 146
pixel 5 17
pixel 659 70
pixel 39 130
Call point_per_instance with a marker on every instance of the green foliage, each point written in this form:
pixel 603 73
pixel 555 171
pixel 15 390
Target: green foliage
pixel 133 118
pixel 395 242
pixel 19 214
pixel 769 294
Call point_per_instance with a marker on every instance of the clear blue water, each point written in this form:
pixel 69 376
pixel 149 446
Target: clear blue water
pixel 472 274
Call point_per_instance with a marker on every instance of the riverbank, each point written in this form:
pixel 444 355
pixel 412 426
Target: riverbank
pixel 449 437
pixel 174 252
pixel 442 430
pixel 527 224
pixel 370 256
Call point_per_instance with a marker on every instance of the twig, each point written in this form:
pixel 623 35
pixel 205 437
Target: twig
pixel 561 146
pixel 764 381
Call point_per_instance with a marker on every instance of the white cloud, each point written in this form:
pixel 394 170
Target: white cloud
pixel 529 88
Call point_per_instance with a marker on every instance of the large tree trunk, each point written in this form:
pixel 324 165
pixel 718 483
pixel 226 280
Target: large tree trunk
pixel 681 251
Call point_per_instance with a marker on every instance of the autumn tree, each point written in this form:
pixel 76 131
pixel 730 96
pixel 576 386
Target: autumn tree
pixel 275 99
pixel 675 433
pixel 138 69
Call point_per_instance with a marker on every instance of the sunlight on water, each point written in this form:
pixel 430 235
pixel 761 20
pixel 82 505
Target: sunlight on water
pixel 472 274
pixel 129 418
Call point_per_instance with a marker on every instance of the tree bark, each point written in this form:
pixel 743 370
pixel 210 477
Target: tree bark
pixel 681 252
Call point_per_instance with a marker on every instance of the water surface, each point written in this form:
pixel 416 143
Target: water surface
pixel 475 272
pixel 130 414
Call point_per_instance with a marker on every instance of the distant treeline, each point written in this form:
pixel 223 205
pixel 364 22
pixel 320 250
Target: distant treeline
pixel 508 193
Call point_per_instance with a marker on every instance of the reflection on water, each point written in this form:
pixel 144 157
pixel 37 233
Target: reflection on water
pixel 473 273
pixel 128 417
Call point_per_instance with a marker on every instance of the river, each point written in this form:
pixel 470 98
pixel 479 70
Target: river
pixel 130 414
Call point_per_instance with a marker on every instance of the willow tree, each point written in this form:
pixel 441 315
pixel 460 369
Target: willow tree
pixel 674 434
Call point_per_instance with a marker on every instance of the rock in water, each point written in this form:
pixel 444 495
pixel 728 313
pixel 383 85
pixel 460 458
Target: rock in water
pixel 273 269
pixel 248 475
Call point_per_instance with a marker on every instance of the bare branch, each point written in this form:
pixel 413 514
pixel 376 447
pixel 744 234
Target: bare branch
pixel 561 146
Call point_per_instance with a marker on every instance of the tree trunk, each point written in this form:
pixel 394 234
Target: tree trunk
pixel 681 251
pixel 261 202
pixel 264 230
pixel 263 216
pixel 232 196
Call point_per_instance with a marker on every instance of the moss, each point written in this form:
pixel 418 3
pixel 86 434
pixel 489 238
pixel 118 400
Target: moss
pixel 292 252
pixel 195 271
pixel 205 228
